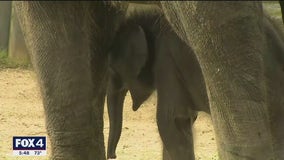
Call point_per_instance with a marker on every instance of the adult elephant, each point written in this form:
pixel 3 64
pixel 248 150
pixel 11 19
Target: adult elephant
pixel 226 38
pixel 68 42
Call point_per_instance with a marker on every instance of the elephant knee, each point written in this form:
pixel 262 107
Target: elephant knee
pixel 182 123
pixel 164 119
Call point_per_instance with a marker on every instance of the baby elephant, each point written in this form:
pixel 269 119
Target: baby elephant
pixel 141 60
pixel 147 55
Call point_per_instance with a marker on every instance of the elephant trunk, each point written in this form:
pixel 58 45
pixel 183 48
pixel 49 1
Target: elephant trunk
pixel 115 99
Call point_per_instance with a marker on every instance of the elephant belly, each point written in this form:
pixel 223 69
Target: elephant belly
pixel 186 69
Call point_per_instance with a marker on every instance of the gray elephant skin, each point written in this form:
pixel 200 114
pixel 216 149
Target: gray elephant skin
pixel 68 43
pixel 144 57
pixel 141 60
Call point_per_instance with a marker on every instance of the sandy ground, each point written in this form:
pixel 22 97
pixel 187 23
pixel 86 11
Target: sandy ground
pixel 21 114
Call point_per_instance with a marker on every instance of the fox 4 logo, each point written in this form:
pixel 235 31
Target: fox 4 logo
pixel 29 143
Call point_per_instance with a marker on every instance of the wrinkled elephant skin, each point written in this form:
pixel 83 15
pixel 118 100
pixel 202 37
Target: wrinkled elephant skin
pixel 178 79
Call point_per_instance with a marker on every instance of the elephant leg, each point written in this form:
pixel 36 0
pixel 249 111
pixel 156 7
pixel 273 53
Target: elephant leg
pixel 115 98
pixel 175 127
pixel 57 38
pixel 165 155
pixel 275 81
pixel 229 50
pixel 174 115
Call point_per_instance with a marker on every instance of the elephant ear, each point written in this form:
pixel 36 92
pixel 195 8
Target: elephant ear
pixel 139 95
pixel 128 57
pixel 138 57
pixel 129 52
pixel 138 47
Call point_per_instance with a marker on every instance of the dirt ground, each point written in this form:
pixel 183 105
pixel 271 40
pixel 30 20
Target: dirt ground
pixel 21 114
